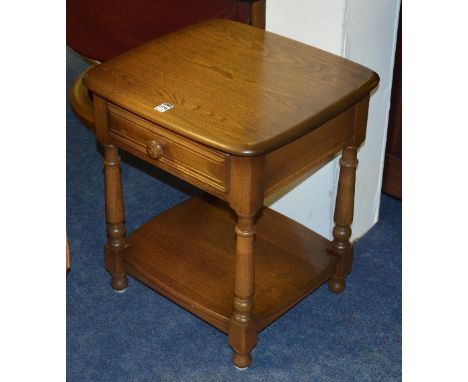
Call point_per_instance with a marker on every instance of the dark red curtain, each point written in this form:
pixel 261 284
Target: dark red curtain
pixel 101 29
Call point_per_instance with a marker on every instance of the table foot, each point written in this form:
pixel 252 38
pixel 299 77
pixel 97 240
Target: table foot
pixel 241 361
pixel 119 283
pixel 337 285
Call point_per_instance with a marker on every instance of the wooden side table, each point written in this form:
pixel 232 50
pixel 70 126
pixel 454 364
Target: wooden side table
pixel 240 113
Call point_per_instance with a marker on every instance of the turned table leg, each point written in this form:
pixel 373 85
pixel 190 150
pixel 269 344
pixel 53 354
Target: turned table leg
pixel 115 216
pixel 344 209
pixel 246 199
pixel 242 331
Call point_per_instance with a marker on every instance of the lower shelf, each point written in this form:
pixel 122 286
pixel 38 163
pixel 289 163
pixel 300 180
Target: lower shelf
pixel 187 254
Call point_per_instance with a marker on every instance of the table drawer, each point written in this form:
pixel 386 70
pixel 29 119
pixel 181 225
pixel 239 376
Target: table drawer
pixel 202 166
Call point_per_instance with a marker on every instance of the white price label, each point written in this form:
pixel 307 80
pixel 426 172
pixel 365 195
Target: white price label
pixel 164 107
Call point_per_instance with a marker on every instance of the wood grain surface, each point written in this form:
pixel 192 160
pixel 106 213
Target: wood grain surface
pixel 199 165
pixel 249 112
pixel 234 87
pixel 188 254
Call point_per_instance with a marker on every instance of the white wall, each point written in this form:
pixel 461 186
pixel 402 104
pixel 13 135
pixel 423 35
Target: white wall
pixel 370 39
pixel 365 32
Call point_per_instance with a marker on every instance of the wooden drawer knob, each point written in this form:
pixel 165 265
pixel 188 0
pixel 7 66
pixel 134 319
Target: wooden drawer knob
pixel 154 149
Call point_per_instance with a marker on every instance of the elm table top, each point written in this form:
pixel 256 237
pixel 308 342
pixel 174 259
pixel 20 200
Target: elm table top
pixel 234 88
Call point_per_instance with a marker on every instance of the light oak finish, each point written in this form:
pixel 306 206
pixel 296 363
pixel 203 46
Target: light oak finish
pixel 81 102
pixel 274 90
pixel 245 198
pixel 115 217
pixel 188 254
pixel 80 98
pixel 115 212
pixel 253 112
pixel 344 208
pixel 204 167
pixel 291 161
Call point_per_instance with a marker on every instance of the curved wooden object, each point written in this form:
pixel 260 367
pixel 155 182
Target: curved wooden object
pixel 68 258
pixel 258 14
pixel 81 101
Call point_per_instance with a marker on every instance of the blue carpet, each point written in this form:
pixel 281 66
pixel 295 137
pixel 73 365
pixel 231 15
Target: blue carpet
pixel 141 336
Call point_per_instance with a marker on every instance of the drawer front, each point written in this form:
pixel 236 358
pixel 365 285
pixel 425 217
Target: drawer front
pixel 197 164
